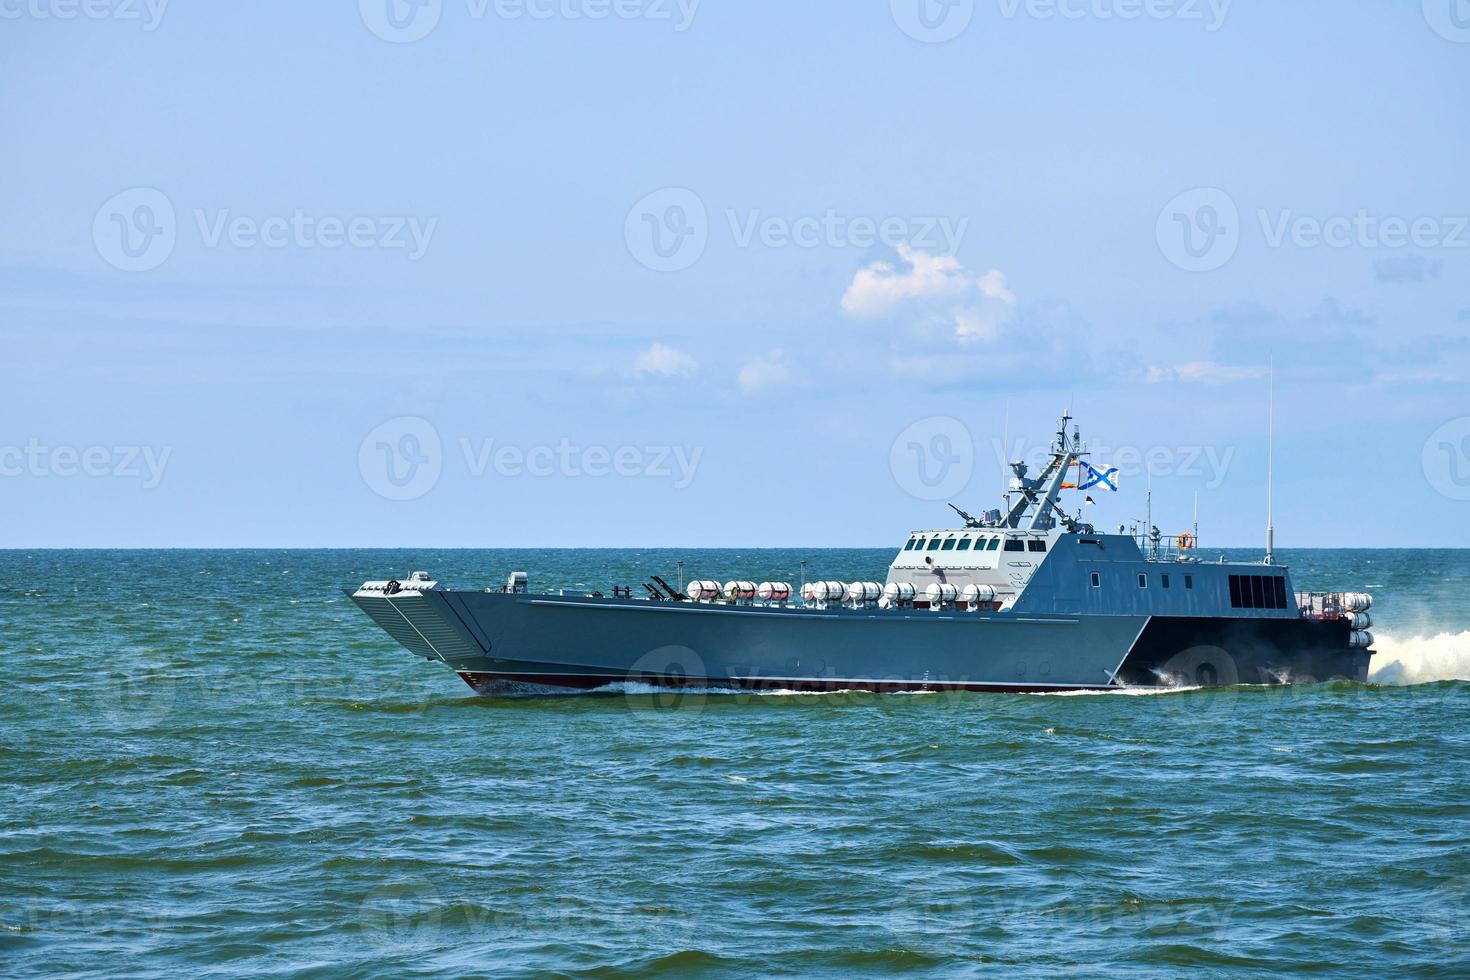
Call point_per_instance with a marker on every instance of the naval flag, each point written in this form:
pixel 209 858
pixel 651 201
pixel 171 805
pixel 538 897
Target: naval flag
pixel 1107 479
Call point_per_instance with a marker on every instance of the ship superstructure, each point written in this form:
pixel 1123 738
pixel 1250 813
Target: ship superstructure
pixel 1027 597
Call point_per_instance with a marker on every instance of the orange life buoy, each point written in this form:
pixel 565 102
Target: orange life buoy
pixel 1185 541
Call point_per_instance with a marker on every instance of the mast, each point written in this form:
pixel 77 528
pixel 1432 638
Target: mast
pixel 1043 491
pixel 1270 463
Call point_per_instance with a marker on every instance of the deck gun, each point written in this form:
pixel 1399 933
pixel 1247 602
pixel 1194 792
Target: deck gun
pixel 969 521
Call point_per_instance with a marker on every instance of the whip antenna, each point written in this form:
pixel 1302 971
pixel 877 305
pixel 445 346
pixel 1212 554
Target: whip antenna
pixel 1270 462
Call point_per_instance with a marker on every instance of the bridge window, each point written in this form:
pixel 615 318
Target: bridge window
pixel 1015 544
pixel 949 544
pixel 1036 544
pixel 992 544
pixel 1096 580
pixel 910 545
pixel 934 544
pixel 964 544
pixel 1142 580
pixel 1258 592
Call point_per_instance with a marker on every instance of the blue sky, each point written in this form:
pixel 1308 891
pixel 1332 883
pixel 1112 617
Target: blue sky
pixel 584 272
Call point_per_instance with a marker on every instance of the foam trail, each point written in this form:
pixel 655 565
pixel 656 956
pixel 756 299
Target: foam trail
pixel 1421 659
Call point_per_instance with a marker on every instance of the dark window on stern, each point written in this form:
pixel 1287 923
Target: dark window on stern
pixel 1142 580
pixel 1096 580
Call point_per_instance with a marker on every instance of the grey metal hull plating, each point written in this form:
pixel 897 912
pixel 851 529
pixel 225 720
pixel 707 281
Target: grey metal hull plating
pixel 495 639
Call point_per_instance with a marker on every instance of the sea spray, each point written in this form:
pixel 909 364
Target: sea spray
pixel 1421 659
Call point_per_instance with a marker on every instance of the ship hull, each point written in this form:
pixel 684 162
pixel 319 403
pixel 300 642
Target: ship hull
pixel 507 641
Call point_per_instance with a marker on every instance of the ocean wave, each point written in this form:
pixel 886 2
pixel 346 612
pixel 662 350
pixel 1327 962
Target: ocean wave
pixel 1421 659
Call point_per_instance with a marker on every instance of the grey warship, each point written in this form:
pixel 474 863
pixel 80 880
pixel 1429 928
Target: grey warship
pixel 1027 598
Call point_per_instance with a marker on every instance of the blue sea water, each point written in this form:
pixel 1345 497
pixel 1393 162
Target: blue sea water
pixel 214 765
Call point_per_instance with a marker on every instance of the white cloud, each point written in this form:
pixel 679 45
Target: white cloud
pixel 1206 372
pixel 665 362
pixel 764 372
pixel 929 287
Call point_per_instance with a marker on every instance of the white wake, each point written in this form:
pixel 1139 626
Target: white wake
pixel 1421 659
